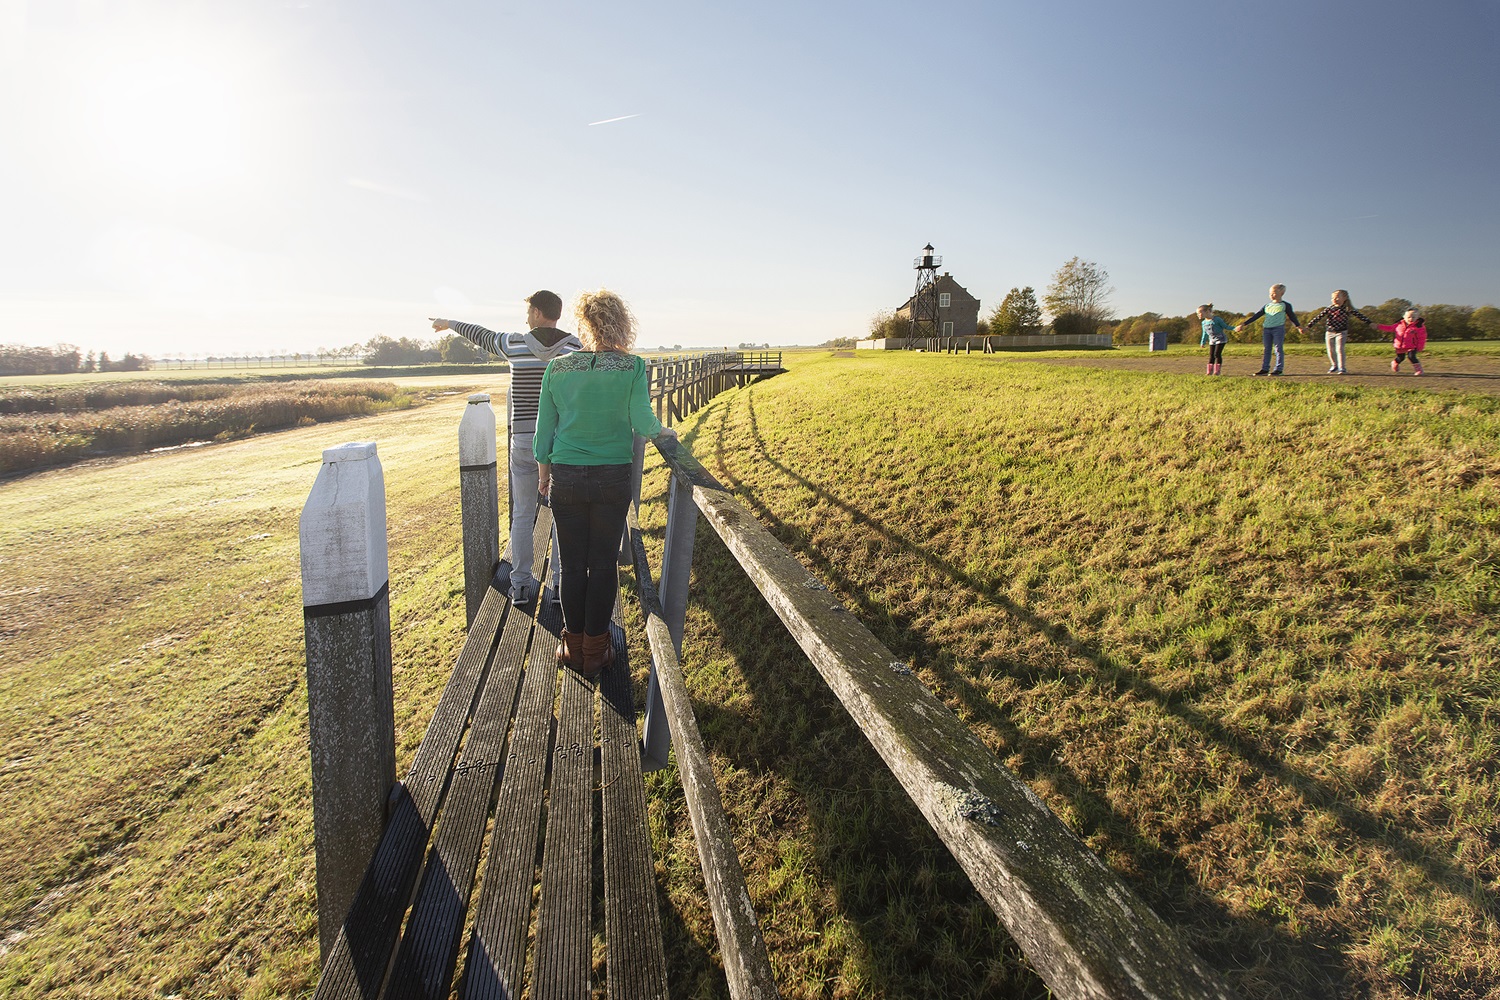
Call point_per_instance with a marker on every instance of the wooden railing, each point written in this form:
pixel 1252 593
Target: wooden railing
pixel 683 384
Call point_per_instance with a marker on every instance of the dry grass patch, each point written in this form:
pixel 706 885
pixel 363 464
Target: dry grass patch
pixel 155 732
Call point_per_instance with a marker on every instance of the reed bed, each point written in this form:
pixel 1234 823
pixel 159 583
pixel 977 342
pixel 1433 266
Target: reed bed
pixel 64 425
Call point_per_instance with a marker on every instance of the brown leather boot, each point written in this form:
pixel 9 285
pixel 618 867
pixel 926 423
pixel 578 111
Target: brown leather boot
pixel 598 653
pixel 570 649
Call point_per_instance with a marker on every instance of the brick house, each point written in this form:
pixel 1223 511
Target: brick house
pixel 958 311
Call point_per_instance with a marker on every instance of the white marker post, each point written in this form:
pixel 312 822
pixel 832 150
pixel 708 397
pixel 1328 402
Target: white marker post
pixel 346 618
pixel 479 497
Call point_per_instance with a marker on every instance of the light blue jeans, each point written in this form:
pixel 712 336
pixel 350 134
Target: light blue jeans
pixel 523 493
pixel 1272 337
pixel 1335 342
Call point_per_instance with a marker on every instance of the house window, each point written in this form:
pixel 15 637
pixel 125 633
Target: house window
pixel 945 299
pixel 948 329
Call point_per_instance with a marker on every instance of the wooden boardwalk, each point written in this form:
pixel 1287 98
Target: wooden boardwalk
pixel 515 857
pixel 535 754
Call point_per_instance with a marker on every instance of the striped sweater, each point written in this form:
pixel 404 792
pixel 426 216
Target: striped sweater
pixel 1337 318
pixel 528 358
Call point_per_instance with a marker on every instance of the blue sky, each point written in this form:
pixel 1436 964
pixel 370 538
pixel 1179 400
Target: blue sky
pixel 184 177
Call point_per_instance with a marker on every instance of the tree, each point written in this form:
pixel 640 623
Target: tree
pixel 1080 287
pixel 1018 315
pixel 1486 322
pixel 1445 322
pixel 382 350
pixel 456 350
pixel 886 324
pixel 1389 311
pixel 1071 324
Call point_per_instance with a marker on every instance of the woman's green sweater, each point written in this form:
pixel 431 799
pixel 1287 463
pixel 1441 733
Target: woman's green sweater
pixel 592 406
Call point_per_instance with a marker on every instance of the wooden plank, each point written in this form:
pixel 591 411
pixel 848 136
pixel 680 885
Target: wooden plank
pixel 1083 930
pixel 563 942
pixel 637 963
pixel 429 947
pixel 742 949
pixel 361 956
pixel 495 963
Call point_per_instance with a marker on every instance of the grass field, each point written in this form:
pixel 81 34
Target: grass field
pixel 1239 635
pixel 154 731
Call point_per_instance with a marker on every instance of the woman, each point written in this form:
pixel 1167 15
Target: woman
pixel 593 403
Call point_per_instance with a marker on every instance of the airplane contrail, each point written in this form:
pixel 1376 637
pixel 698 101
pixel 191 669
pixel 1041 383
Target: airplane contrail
pixel 619 119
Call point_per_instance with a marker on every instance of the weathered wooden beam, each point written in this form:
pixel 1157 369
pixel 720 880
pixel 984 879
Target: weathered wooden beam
pixel 636 968
pixel 1085 932
pixel 747 966
pixel 479 500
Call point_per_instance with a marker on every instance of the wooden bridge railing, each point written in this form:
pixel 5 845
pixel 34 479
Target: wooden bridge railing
pixel 681 385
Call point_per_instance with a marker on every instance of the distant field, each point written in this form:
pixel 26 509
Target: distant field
pixel 1240 634
pixel 45 425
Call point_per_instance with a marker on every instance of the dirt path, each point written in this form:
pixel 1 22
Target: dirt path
pixel 1462 373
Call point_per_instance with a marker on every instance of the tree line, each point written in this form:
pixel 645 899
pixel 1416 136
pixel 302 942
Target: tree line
pixel 63 359
pixel 1077 299
pixel 382 351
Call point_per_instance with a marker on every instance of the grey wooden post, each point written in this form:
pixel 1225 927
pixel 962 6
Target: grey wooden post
pixel 346 621
pixel 637 472
pixel 676 567
pixel 479 499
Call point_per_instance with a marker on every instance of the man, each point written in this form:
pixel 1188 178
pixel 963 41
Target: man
pixel 528 354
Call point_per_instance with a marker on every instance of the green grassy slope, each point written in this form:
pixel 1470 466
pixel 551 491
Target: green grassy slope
pixel 1240 636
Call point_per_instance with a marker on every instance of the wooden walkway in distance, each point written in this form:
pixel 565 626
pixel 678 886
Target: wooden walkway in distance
pixel 544 753
pixel 678 386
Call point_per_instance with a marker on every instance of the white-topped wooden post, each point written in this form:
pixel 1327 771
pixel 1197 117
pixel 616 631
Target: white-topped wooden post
pixel 479 499
pixel 346 620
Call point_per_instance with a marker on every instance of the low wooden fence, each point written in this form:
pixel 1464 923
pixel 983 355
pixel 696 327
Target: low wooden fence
pixel 681 385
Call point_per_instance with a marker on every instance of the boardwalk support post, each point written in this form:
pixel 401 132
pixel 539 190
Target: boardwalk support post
pixel 637 473
pixel 480 500
pixel 346 616
pixel 676 567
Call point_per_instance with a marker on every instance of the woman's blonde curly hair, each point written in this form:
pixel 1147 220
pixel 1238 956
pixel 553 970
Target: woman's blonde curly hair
pixel 605 322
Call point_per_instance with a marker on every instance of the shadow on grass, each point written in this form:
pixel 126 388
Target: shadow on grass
pixel 1280 958
pixel 850 882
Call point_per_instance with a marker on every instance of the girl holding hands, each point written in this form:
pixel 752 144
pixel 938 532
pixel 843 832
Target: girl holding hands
pixel 1335 316
pixel 1215 335
pixel 1410 337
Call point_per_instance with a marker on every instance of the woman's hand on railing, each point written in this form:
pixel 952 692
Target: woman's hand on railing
pixel 667 440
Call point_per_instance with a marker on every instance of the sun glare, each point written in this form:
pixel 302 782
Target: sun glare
pixel 171 114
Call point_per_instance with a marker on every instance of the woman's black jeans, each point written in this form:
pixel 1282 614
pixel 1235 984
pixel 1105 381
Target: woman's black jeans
pixel 589 503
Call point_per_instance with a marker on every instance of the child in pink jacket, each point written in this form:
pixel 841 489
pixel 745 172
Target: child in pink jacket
pixel 1410 337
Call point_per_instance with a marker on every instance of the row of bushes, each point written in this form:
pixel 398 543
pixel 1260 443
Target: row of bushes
pixel 34 440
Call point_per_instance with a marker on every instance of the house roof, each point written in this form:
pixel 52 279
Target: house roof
pixel 944 283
